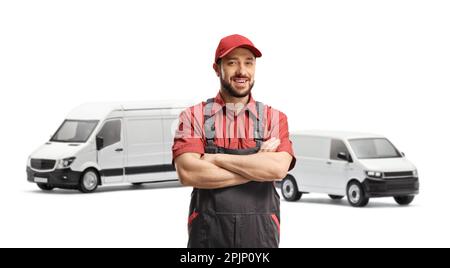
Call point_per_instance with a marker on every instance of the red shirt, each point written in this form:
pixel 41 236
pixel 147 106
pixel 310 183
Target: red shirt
pixel 233 131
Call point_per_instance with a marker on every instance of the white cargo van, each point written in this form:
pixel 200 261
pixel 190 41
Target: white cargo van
pixel 108 143
pixel 356 165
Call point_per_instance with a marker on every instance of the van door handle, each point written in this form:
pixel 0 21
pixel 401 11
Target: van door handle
pixel 119 150
pixel 329 162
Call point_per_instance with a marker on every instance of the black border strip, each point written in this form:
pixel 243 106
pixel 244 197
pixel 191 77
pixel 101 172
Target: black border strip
pixel 137 170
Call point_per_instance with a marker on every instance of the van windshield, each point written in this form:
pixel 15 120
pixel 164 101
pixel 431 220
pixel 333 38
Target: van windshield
pixel 75 131
pixel 374 148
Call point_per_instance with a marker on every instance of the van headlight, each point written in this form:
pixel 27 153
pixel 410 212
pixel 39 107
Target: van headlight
pixel 374 174
pixel 415 173
pixel 29 161
pixel 65 163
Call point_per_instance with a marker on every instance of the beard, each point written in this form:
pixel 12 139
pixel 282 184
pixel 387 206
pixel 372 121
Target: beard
pixel 233 92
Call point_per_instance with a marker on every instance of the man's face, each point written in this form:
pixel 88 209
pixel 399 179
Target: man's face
pixel 236 72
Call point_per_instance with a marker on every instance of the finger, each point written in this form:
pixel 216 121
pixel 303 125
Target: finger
pixel 273 143
pixel 273 146
pixel 265 144
pixel 264 147
pixel 269 143
pixel 270 146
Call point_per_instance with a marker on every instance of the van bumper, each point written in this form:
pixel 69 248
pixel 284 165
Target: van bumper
pixel 391 187
pixel 60 178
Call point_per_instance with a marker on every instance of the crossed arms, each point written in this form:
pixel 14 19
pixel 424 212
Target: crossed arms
pixel 212 171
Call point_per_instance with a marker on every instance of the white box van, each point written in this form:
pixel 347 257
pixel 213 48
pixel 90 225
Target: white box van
pixel 108 143
pixel 356 165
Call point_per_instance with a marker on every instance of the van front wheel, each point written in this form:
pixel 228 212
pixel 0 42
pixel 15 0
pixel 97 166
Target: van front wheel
pixel 356 195
pixel 289 189
pixel 89 181
pixel 404 200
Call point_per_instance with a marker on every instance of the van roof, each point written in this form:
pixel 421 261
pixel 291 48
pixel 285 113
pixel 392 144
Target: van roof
pixel 345 135
pixel 100 110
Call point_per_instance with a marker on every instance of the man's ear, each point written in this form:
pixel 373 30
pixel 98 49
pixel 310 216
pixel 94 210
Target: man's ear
pixel 216 68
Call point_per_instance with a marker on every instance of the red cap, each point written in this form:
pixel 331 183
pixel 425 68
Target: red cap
pixel 227 44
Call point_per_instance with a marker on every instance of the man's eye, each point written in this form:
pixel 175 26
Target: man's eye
pixel 231 62
pixel 249 63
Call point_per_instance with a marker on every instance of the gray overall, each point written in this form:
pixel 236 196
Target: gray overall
pixel 243 216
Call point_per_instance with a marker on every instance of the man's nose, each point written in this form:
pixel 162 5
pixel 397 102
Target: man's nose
pixel 242 69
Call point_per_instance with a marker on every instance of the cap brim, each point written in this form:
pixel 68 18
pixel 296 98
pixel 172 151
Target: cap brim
pixel 253 49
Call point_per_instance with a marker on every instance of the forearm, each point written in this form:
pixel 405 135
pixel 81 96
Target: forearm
pixel 205 175
pixel 263 166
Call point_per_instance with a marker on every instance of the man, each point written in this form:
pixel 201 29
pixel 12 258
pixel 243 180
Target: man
pixel 232 149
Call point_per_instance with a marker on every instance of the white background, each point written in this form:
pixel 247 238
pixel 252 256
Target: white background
pixel 371 66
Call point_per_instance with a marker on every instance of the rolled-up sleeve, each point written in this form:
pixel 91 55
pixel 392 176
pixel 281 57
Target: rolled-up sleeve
pixel 187 138
pixel 280 130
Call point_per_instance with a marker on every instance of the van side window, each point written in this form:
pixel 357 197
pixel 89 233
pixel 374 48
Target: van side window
pixel 110 132
pixel 337 146
pixel 312 147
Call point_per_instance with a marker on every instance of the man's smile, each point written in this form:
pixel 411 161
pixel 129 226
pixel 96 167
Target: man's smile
pixel 240 81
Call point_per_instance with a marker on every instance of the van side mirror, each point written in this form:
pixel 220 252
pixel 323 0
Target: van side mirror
pixel 99 142
pixel 344 156
pixel 403 154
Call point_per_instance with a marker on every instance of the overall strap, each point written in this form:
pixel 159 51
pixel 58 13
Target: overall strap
pixel 258 124
pixel 209 126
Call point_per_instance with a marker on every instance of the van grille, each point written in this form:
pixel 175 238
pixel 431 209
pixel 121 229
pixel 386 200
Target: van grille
pixel 42 164
pixel 398 174
pixel 394 185
pixel 401 185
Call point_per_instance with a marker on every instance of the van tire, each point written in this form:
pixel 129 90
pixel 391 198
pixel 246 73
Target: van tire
pixel 89 181
pixel 289 189
pixel 336 197
pixel 45 187
pixel 404 200
pixel 356 195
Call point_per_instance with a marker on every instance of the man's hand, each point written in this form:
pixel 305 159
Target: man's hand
pixel 270 145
